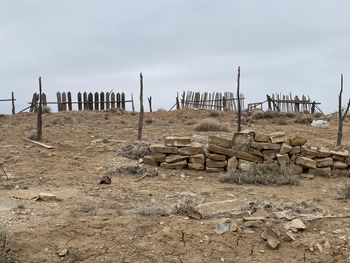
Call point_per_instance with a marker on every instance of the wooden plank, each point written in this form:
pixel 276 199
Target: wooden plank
pixel 79 102
pixel 113 100
pixel 39 143
pixel 118 100
pixel 96 97
pixel 59 101
pixel 85 99
pixel 44 100
pixel 64 101
pixel 91 101
pixel 102 100
pixel 69 95
pixel 107 101
pixel 123 100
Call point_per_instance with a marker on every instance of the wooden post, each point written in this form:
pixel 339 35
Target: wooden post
pixel 96 100
pixel 340 113
pixel 123 100
pixel 150 103
pixel 69 95
pixel 64 101
pixel 102 100
pixel 132 103
pixel 80 106
pixel 59 101
pixel 13 103
pixel 177 102
pixel 85 99
pixel 118 100
pixel 40 116
pixel 112 100
pixel 139 134
pixel 91 101
pixel 108 103
pixel 238 100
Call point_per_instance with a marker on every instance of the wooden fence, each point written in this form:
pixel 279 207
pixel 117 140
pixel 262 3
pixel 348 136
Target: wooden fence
pixel 85 101
pixel 210 101
pixel 286 103
pixel 12 102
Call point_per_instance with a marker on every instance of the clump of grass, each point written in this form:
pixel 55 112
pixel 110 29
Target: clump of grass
pixel 261 174
pixel 345 192
pixel 135 150
pixel 281 121
pixel 7 253
pixel 214 114
pixel 152 210
pixel 290 115
pixel 148 120
pixel 210 125
pixel 304 120
pixel 84 209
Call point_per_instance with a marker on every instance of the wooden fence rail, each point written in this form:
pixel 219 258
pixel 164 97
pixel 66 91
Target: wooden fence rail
pixel 210 101
pixel 12 102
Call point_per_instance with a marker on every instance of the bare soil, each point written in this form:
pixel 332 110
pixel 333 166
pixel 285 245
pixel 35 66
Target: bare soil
pixel 132 221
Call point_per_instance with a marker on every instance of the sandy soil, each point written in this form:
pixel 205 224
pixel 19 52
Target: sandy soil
pixel 121 222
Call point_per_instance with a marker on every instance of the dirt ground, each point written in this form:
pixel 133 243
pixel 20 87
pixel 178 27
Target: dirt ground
pixel 132 221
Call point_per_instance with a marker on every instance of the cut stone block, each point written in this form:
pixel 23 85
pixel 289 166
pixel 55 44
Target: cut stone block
pixel 295 150
pixel 324 162
pixel 277 137
pixel 175 158
pixel 215 156
pixel 344 153
pixel 269 154
pixel 245 166
pixel 149 160
pixel 177 165
pixel 265 146
pixel 196 166
pixel 261 137
pixel 195 148
pixel 306 162
pixel 221 150
pixel 340 173
pixel 214 170
pixel 197 159
pixel 338 158
pixel 232 164
pixel 178 141
pixel 163 149
pixel 286 148
pixel 216 164
pixel 283 159
pixel 339 165
pixel 220 141
pixel 297 140
pixel 326 171
pixel 242 140
pixel 255 152
pixel 311 153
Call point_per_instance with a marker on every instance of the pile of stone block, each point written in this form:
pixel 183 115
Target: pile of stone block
pixel 177 153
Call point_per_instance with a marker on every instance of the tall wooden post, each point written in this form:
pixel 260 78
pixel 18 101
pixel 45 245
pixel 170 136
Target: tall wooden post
pixel 40 116
pixel 150 103
pixel 132 103
pixel 238 100
pixel 340 113
pixel 139 134
pixel 13 103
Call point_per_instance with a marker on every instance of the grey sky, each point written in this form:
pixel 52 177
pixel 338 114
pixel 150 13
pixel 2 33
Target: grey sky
pixel 300 46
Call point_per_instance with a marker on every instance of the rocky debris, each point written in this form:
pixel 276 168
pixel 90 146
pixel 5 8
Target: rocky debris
pixel 297 140
pixel 178 141
pixel 271 236
pixel 105 180
pixel 295 225
pixel 222 228
pixel 62 252
pixel 46 197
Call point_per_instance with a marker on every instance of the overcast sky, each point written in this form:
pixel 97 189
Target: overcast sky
pixel 298 46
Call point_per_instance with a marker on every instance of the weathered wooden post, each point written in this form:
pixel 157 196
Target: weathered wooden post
pixel 112 100
pixel 85 98
pixel 64 101
pixel 40 116
pixel 91 101
pixel 177 102
pixel 123 100
pixel 107 101
pixel 69 96
pixel 238 100
pixel 13 103
pixel 102 100
pixel 59 101
pixel 96 100
pixel 139 134
pixel 150 103
pixel 80 106
pixel 132 103
pixel 341 116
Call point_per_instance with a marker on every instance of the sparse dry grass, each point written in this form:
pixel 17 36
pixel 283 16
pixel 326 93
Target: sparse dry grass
pixel 261 174
pixel 135 150
pixel 304 120
pixel 7 253
pixel 345 192
pixel 210 125
pixel 150 210
pixel 214 114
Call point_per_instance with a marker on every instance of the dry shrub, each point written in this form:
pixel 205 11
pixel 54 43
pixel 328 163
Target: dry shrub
pixel 148 120
pixel 214 114
pixel 345 192
pixel 191 122
pixel 290 115
pixel 281 121
pixel 135 150
pixel 210 125
pixel 7 250
pixel 304 120
pixel 150 210
pixel 84 209
pixel 261 174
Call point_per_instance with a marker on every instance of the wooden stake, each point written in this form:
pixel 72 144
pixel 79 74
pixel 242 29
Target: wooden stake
pixel 40 115
pixel 132 103
pixel 139 134
pixel 341 116
pixel 13 103
pixel 150 103
pixel 238 101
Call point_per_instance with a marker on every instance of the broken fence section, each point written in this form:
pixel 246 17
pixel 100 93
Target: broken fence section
pixel 209 100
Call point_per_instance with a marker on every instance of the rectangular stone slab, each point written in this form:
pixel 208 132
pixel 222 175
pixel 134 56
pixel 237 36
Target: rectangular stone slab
pixel 197 159
pixel 196 166
pixel 215 156
pixel 163 149
pixel 233 152
pixel 220 141
pixel 265 146
pixel 195 148
pixel 176 158
pixel 306 162
pixel 177 165
pixel 178 141
pixel 216 164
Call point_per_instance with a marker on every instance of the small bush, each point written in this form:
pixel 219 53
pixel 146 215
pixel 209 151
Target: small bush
pixel 191 122
pixel 261 174
pixel 304 120
pixel 346 192
pixel 210 125
pixel 258 115
pixel 148 120
pixel 7 253
pixel 290 115
pixel 282 121
pixel 135 150
pixel 152 210
pixel 214 114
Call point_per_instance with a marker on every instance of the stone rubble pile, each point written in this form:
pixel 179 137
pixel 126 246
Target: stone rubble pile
pixel 248 147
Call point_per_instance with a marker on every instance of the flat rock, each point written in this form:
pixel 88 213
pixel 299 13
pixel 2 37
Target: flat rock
pixel 307 176
pixel 215 156
pixel 285 148
pixel 295 150
pixel 197 159
pixel 339 165
pixel 306 162
pixel 46 197
pixel 232 164
pixel 324 171
pixel 195 148
pixel 154 159
pixel 220 150
pixel 312 153
pixel 277 137
pixel 196 166
pixel 344 153
pixel 271 237
pixel 297 140
pixel 265 146
pixel 226 208
pixel 163 149
pixel 216 164
pixel 242 140
pixel 176 165
pixel 255 152
pixel 245 165
pixel 178 141
pixel 283 159
pixel 176 158
pixel 324 162
pixel 220 141
pixel 295 225
pixel 214 170
pixel 261 137
pixel 340 173
pixel 269 154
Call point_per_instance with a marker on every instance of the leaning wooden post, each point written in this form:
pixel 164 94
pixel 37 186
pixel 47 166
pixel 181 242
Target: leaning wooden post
pixel 177 102
pixel 13 103
pixel 340 113
pixel 238 101
pixel 40 116
pixel 139 134
pixel 150 103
